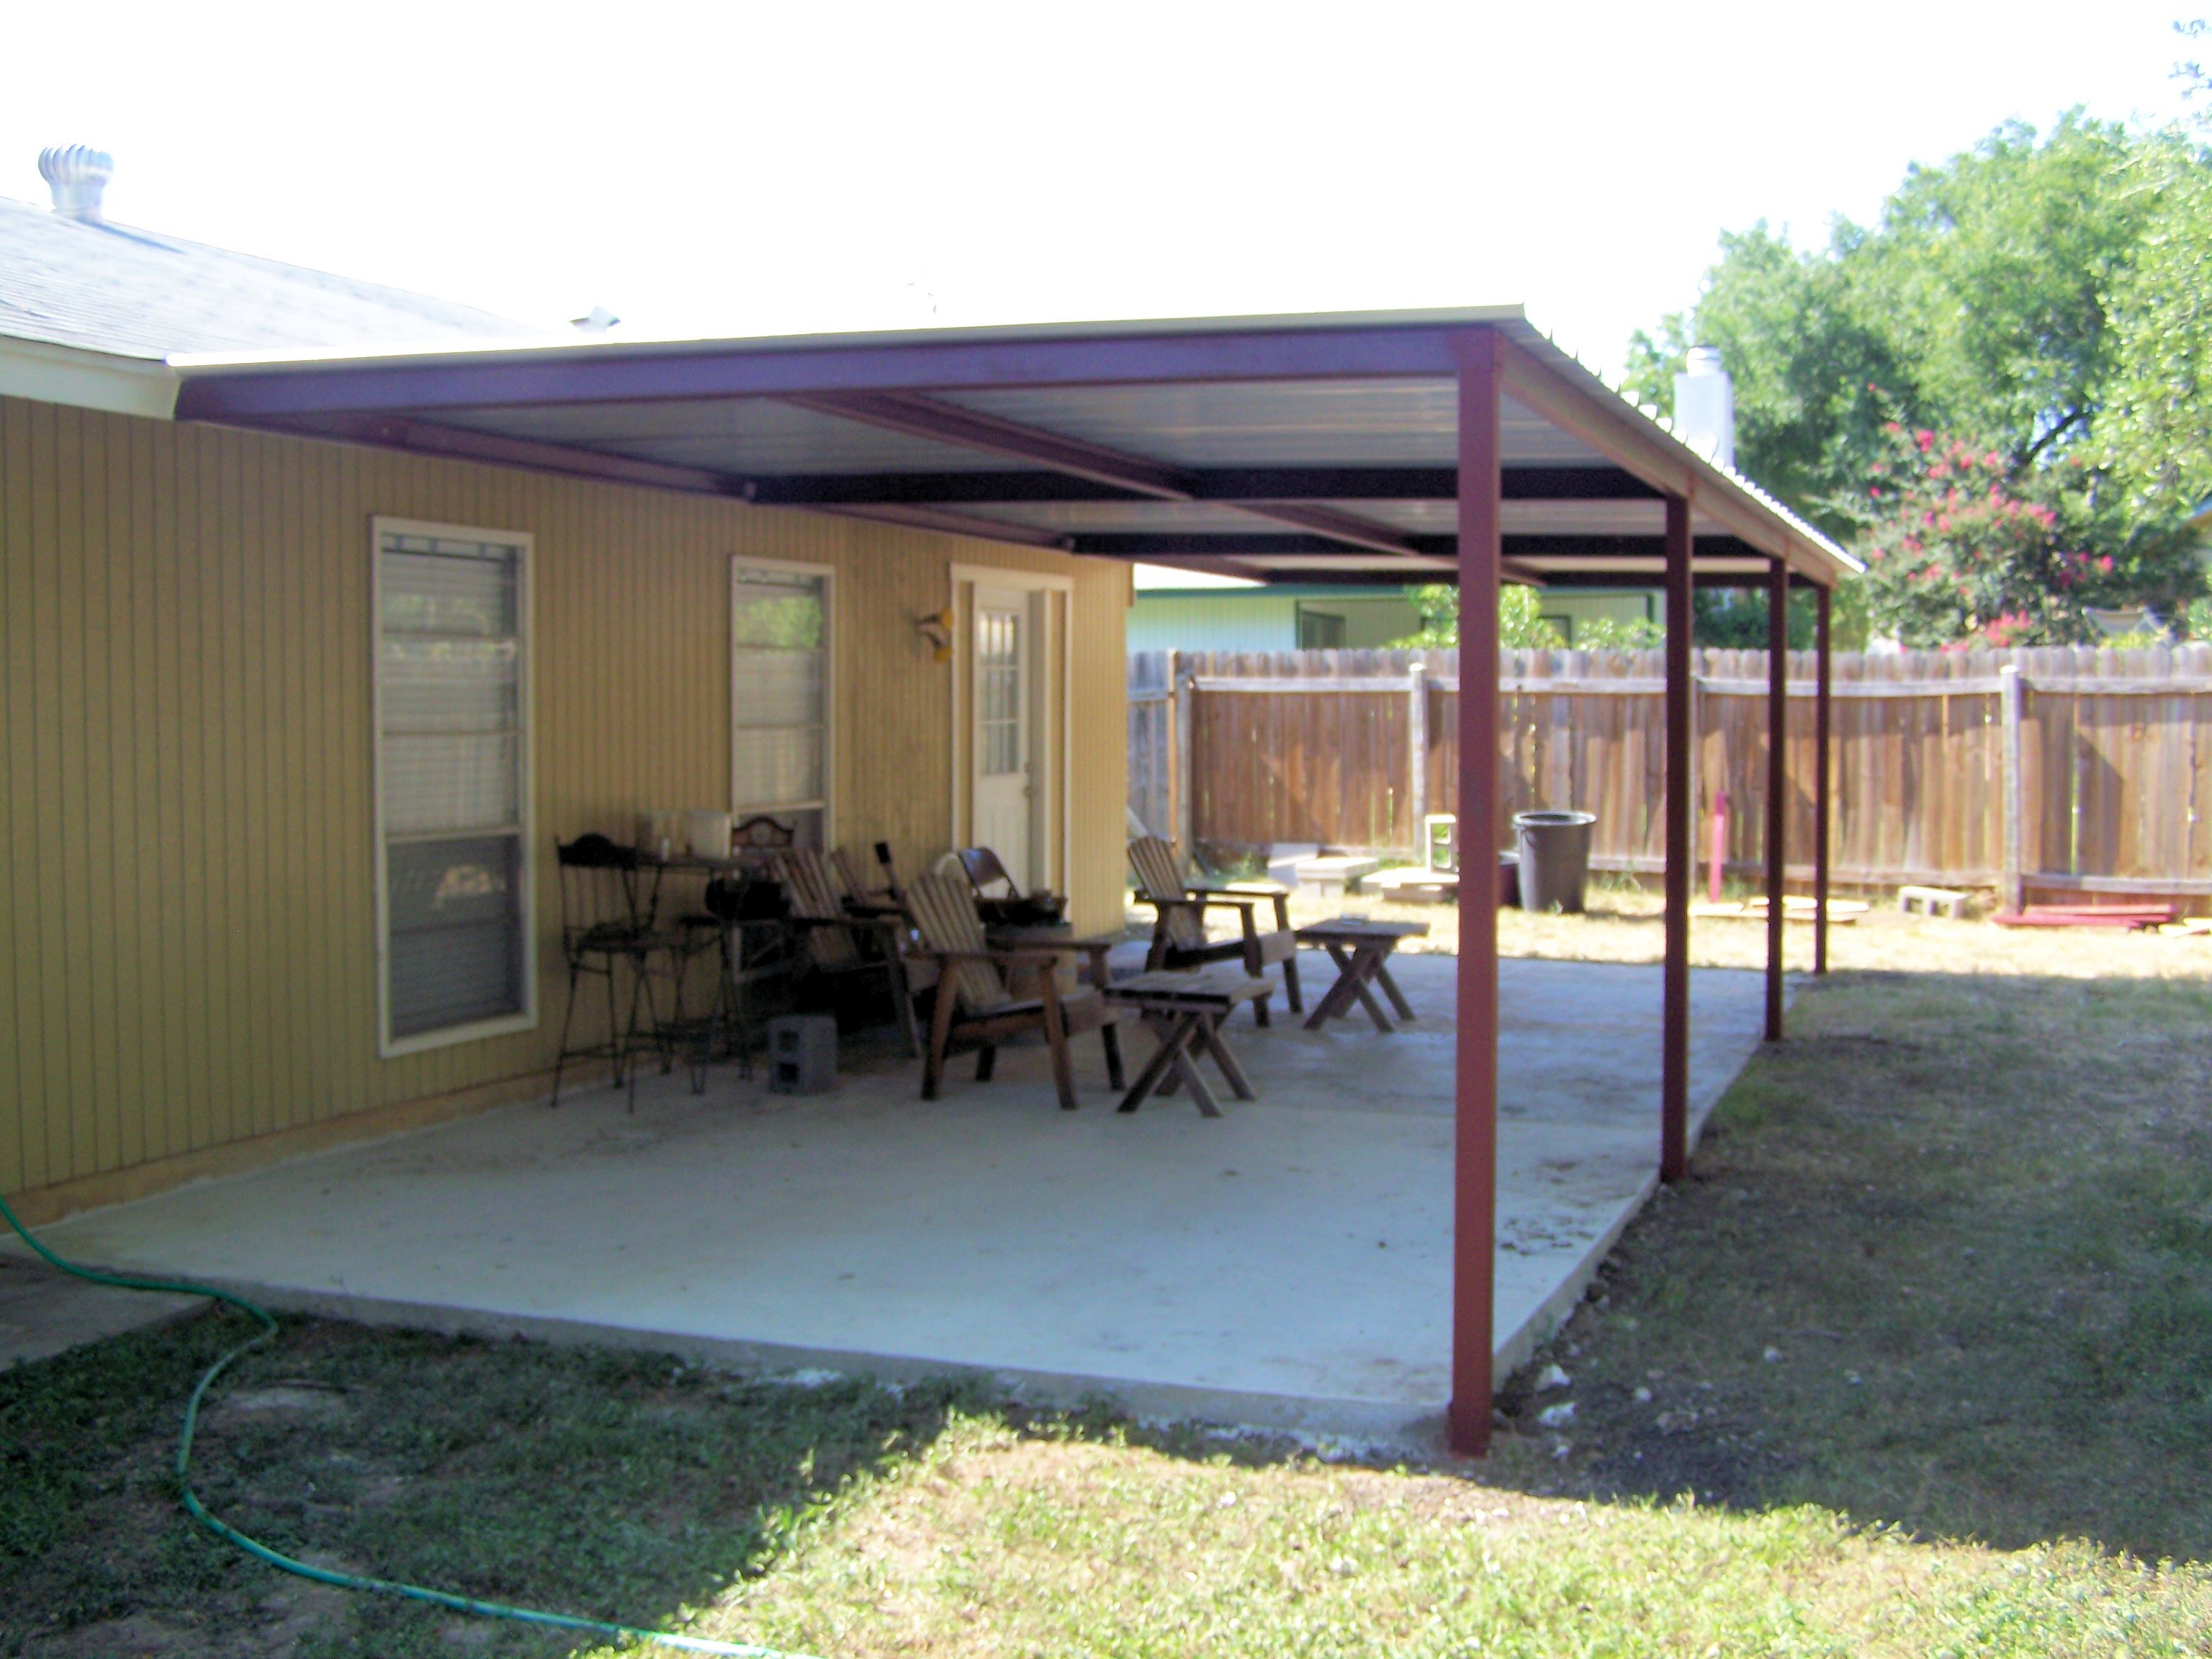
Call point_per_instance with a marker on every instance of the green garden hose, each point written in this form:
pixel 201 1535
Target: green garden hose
pixel 261 1551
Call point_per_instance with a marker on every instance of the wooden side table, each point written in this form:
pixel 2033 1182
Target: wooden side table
pixel 1093 948
pixel 1361 950
pixel 1185 1012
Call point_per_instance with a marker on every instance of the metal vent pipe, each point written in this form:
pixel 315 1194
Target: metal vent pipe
pixel 1705 406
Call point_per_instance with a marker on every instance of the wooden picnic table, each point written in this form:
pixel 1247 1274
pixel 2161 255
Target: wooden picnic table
pixel 1185 1011
pixel 1361 950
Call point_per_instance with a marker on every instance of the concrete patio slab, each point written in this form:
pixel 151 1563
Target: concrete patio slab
pixel 45 1312
pixel 1285 1265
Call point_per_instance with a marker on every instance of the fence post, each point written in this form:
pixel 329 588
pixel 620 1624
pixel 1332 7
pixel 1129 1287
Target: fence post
pixel 2015 889
pixel 1698 779
pixel 1417 747
pixel 1182 694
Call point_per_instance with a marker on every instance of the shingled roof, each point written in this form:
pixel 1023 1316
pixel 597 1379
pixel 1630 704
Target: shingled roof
pixel 109 288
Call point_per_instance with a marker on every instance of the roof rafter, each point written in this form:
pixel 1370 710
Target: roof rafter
pixel 1228 486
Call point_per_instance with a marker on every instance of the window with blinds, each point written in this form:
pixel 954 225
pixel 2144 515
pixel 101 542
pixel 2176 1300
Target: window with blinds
pixel 453 783
pixel 779 696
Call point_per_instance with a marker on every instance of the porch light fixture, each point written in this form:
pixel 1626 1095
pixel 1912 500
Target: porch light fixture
pixel 936 627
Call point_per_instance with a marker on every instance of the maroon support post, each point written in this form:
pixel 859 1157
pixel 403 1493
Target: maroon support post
pixel 1474 1206
pixel 1674 1018
pixel 1777 783
pixel 1821 802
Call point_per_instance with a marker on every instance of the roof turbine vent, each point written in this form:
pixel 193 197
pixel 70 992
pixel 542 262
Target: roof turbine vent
pixel 77 174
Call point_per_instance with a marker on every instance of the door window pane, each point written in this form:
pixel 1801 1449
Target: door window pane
pixel 998 690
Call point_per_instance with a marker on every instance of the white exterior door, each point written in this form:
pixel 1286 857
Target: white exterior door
pixel 1003 742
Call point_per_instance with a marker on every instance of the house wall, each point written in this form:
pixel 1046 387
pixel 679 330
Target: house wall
pixel 1262 619
pixel 1571 609
pixel 187 956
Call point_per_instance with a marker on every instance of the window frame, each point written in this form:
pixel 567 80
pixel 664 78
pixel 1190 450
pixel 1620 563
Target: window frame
pixel 388 1046
pixel 827 805
pixel 1304 609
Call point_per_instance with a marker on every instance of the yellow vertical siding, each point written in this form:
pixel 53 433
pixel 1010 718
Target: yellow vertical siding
pixel 187 957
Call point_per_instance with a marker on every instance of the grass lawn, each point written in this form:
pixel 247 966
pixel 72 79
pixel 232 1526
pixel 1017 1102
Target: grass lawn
pixel 1920 1361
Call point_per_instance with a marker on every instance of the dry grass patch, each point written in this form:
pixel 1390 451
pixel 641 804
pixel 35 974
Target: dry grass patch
pixel 1624 923
pixel 995 1544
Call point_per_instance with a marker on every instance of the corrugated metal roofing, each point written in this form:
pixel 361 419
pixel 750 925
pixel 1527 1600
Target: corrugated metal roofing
pixel 744 436
pixel 1278 423
pixel 108 288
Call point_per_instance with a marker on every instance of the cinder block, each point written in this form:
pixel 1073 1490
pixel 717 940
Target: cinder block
pixel 1929 900
pixel 802 1054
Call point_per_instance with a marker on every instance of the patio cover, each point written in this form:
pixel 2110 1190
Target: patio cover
pixel 1436 447
pixel 1314 448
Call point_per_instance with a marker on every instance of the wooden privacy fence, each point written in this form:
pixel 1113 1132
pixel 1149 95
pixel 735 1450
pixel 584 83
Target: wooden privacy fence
pixel 2068 769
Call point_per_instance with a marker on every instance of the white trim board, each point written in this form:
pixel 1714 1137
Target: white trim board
pixel 87 380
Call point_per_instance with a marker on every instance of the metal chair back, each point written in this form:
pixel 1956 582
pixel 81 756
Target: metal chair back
pixel 985 871
pixel 603 899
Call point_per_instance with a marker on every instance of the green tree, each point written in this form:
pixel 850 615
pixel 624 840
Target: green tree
pixel 2154 435
pixel 1521 625
pixel 1992 273
pixel 1809 374
pixel 2039 297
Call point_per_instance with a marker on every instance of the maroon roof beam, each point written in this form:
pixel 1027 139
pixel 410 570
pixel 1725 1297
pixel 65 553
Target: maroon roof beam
pixel 1229 486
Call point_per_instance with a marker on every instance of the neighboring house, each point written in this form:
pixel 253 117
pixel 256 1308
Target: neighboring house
pixel 1189 610
pixel 1185 610
pixel 229 931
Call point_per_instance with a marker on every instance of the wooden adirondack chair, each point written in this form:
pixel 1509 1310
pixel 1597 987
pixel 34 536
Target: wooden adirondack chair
pixel 840 945
pixel 1179 910
pixel 975 1007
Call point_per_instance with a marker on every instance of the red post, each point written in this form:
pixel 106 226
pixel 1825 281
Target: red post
pixel 1777 782
pixel 1674 1018
pixel 1820 803
pixel 1474 1206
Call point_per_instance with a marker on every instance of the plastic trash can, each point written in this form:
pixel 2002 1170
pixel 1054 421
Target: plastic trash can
pixel 1554 850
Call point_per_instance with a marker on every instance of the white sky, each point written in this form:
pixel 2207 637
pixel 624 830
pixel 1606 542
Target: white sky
pixel 741 168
